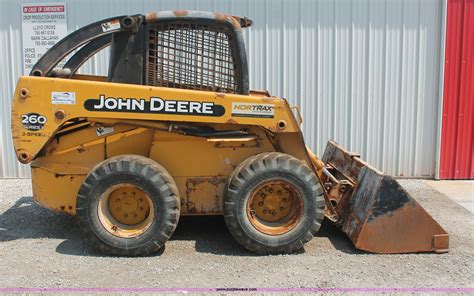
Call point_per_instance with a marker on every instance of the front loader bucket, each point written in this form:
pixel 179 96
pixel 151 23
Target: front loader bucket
pixel 380 216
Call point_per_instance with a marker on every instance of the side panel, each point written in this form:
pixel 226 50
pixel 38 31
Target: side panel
pixel 38 97
pixel 200 166
pixel 55 191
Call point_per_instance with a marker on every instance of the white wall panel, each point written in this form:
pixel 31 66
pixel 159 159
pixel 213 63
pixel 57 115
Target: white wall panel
pixel 364 72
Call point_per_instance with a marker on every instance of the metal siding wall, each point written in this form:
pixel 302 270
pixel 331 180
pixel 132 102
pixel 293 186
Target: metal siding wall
pixel 365 73
pixel 457 147
pixel 10 69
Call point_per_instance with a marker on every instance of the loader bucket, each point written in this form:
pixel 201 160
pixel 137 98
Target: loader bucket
pixel 377 214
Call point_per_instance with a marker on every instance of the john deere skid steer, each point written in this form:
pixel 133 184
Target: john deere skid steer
pixel 174 130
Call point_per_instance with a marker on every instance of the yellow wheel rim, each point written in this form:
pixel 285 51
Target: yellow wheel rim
pixel 125 210
pixel 275 207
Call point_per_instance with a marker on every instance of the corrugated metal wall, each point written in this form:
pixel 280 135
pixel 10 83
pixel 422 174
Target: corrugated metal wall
pixel 457 143
pixel 364 73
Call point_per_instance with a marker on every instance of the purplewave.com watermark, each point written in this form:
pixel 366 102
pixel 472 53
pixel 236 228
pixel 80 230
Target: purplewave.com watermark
pixel 210 290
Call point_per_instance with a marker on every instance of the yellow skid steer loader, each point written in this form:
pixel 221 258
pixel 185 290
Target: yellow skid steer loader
pixel 174 130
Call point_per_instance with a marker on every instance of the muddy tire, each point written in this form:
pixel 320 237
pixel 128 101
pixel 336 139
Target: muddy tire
pixel 273 203
pixel 128 206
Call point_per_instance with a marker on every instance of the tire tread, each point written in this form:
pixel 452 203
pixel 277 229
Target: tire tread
pixel 258 164
pixel 148 170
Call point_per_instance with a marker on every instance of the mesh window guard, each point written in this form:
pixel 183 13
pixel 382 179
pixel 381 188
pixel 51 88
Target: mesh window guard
pixel 190 56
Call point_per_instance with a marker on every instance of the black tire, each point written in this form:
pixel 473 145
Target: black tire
pixel 266 167
pixel 148 176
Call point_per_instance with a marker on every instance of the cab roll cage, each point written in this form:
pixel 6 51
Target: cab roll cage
pixel 127 33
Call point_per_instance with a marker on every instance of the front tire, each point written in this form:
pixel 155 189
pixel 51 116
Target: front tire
pixel 128 205
pixel 273 204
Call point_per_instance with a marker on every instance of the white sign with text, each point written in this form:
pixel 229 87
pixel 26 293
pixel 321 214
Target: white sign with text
pixel 43 25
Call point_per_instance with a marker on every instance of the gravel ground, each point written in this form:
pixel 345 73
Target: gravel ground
pixel 40 248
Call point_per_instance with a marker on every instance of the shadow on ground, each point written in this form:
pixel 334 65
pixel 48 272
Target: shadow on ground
pixel 27 220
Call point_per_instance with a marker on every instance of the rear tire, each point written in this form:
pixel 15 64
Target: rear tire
pixel 273 203
pixel 128 205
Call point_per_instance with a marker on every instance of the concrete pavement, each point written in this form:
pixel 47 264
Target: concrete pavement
pixel 460 191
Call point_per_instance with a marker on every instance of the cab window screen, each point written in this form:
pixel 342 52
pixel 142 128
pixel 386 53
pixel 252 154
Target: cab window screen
pixel 190 56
